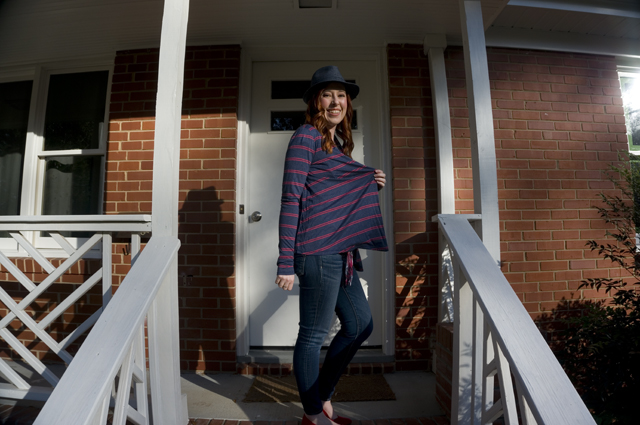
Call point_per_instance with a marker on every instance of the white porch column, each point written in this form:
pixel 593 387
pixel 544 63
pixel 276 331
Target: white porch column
pixel 164 344
pixel 434 45
pixel 483 151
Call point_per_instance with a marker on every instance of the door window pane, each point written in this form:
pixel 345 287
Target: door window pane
pixel 14 114
pixel 291 89
pixel 286 120
pixel 291 120
pixel 75 110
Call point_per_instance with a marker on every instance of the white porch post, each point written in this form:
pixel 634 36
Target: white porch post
pixel 483 151
pixel 164 347
pixel 434 45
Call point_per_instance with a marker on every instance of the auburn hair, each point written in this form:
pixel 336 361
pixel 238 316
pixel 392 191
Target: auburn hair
pixel 315 117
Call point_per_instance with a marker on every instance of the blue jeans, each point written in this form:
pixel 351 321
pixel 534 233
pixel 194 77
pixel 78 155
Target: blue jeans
pixel 322 293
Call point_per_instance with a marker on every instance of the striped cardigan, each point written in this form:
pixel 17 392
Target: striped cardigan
pixel 329 202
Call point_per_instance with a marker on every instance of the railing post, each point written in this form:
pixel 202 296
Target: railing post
pixel 477 369
pixel 462 379
pixel 164 354
pixel 107 248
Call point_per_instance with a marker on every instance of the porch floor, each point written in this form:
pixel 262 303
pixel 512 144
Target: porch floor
pixel 220 396
pixel 217 400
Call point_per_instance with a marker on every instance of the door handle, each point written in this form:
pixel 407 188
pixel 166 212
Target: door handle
pixel 256 216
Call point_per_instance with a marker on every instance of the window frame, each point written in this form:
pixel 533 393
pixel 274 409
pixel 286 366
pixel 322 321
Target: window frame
pixel 635 74
pixel 32 192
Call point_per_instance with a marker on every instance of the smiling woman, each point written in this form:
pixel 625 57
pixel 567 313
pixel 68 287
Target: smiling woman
pixel 329 210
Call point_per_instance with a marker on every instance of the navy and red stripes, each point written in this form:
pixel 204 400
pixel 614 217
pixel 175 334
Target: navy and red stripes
pixel 329 202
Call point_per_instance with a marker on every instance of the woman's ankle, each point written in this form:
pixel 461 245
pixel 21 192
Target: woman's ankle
pixel 319 419
pixel 327 408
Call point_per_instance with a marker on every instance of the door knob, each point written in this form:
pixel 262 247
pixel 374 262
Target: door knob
pixel 256 216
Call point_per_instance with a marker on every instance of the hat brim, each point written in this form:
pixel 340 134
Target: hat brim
pixel 352 89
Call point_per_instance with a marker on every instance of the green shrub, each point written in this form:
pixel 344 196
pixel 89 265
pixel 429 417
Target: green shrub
pixel 601 351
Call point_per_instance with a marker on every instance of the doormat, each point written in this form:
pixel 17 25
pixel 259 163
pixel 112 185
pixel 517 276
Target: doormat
pixel 283 389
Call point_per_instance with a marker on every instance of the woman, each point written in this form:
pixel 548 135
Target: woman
pixel 329 209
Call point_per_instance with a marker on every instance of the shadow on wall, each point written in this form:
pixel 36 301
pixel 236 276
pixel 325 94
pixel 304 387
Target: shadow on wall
pixel 416 298
pixel 206 283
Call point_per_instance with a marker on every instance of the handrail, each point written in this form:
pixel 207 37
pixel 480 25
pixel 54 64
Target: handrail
pixel 494 334
pixel 84 392
pixel 95 223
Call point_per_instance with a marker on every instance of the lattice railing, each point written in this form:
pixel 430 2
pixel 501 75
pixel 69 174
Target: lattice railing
pixel 495 338
pixel 106 383
pixel 19 308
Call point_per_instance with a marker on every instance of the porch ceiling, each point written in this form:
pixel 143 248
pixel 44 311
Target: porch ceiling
pixel 52 29
pixel 590 26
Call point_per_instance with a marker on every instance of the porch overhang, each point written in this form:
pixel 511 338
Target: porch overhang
pixel 102 27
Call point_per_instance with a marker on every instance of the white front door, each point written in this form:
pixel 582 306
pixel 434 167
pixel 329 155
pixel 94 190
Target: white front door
pixel 273 313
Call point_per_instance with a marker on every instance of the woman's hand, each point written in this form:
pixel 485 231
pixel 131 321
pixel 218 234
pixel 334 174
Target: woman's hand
pixel 285 281
pixel 380 178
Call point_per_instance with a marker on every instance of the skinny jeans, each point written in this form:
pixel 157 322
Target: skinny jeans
pixel 322 293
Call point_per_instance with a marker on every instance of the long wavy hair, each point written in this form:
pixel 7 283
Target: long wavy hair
pixel 315 117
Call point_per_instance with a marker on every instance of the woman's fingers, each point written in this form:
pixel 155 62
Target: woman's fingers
pixel 380 178
pixel 285 282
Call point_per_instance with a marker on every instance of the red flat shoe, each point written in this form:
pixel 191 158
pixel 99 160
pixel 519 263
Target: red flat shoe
pixel 306 421
pixel 339 420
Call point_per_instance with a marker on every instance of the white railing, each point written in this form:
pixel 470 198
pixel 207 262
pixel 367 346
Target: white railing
pixel 494 336
pixel 107 379
pixel 18 311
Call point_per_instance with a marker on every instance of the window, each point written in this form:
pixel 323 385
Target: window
pixel 14 115
pixel 53 144
pixel 630 85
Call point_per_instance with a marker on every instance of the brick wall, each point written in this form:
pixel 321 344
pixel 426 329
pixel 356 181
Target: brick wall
pixel 558 123
pixel 415 201
pixel 207 187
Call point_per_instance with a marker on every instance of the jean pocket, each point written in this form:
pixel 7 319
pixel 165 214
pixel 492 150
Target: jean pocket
pixel 298 264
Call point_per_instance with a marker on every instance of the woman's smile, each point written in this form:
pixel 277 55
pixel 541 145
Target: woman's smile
pixel 334 102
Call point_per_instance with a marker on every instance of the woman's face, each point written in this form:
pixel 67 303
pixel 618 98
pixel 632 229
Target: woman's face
pixel 333 100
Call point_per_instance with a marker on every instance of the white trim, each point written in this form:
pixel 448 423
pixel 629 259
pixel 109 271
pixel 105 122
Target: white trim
pixel 386 154
pixel 560 42
pixel 591 6
pixel 629 66
pixel 104 60
pixel 17 73
pixel 272 54
pixel 76 152
pixel 242 238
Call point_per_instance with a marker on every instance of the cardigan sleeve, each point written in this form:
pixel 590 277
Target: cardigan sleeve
pixel 296 168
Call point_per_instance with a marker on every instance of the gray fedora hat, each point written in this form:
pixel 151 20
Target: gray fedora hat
pixel 326 75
